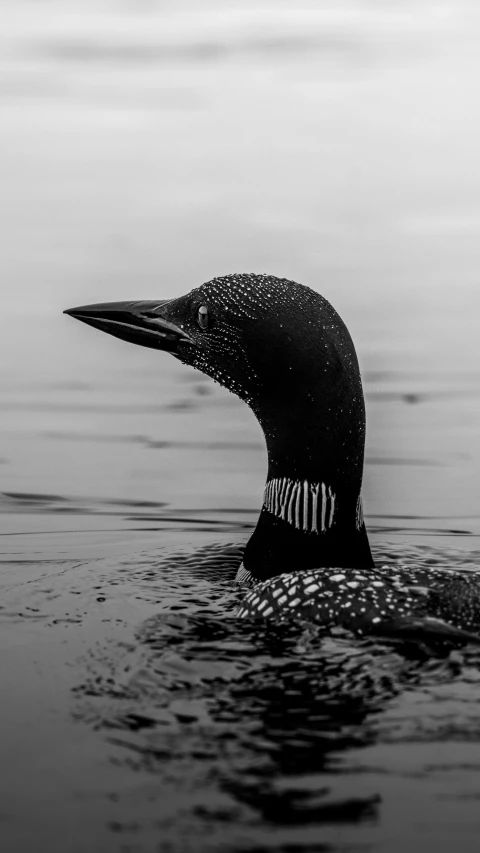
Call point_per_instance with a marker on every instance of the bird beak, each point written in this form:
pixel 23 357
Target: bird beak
pixel 142 323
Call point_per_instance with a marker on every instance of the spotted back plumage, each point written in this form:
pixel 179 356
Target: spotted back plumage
pixel 427 604
pixel 329 597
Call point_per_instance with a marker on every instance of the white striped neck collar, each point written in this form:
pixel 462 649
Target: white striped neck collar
pixel 309 507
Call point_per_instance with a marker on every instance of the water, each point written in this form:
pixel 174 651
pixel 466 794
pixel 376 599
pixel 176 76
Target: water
pixel 145 149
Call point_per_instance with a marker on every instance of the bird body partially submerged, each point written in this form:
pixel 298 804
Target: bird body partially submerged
pixel 284 350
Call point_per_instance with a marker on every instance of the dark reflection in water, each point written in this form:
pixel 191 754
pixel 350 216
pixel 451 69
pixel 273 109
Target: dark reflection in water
pixel 261 734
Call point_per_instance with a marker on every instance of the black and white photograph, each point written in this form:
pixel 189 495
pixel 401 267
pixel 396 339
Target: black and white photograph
pixel 240 426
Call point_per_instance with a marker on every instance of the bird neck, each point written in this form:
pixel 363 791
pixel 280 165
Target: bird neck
pixel 306 525
pixel 312 509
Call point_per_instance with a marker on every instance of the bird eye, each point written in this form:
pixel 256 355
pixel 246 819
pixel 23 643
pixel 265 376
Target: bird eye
pixel 202 317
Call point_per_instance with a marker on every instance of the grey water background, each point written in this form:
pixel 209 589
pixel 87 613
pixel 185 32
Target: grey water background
pixel 147 147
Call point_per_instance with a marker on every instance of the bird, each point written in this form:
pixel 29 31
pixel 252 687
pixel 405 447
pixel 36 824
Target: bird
pixel 283 349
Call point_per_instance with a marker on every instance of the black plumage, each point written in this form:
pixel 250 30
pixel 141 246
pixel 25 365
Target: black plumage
pixel 284 350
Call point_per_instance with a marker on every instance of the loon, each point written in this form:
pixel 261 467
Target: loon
pixel 284 350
